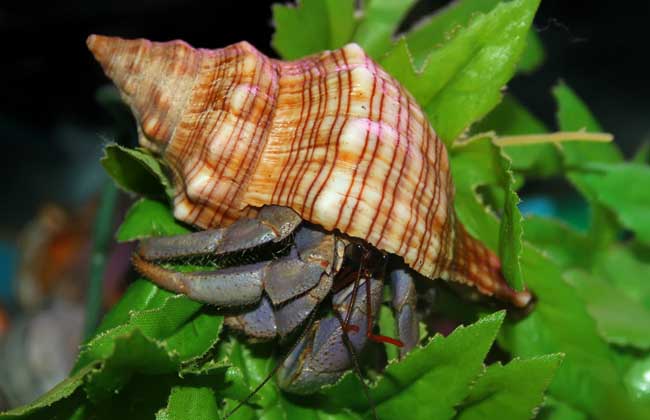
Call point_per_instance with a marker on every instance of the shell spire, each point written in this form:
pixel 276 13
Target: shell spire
pixel 153 78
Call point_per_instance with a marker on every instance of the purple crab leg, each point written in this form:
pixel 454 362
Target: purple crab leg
pixel 273 224
pixel 404 302
pixel 294 284
pixel 258 323
pixel 283 279
pixel 322 356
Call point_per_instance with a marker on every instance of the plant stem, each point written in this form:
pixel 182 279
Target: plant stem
pixel 101 239
pixel 560 136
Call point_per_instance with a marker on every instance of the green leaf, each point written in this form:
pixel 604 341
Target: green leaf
pixel 512 391
pixel 190 403
pixel 379 23
pixel 312 26
pixel 151 332
pixel 48 403
pixel 446 364
pixel 254 363
pixel 620 319
pixel 637 381
pixel 587 379
pixel 534 53
pixel 610 186
pixel 573 115
pixel 510 232
pixel 148 218
pixel 480 163
pixel 461 80
pixel 625 271
pixel 572 251
pixel 489 50
pixel 557 410
pixel 136 171
pixel 440 27
pixel 388 326
pixel 642 155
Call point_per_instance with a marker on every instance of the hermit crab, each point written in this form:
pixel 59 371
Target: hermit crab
pixel 328 156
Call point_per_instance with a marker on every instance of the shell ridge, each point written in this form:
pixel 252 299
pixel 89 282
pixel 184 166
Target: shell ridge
pixel 231 143
pixel 200 159
pixel 188 96
pixel 390 170
pixel 327 152
pixel 373 159
pixel 424 172
pixel 430 218
pixel 260 145
pixel 185 150
pixel 356 167
pixel 344 122
pixel 313 133
pixel 285 173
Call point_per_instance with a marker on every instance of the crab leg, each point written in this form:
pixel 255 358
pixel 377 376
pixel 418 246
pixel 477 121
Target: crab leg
pixel 295 284
pixel 322 354
pixel 234 286
pixel 404 301
pixel 273 224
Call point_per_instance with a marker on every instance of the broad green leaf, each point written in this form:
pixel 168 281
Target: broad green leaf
pixel 587 378
pixel 441 26
pixel 446 364
pixel 620 320
pixel 610 186
pixel 642 155
pixel 534 53
pixel 153 332
pixel 637 380
pixel 141 295
pixel 510 117
pixel 480 163
pixel 474 65
pixel 50 403
pixel 510 232
pixel 148 218
pixel 573 115
pixel 560 322
pixel 255 362
pixel 628 273
pixel 512 391
pixel 137 171
pixel 461 80
pixel 388 326
pixel 312 26
pixel 130 352
pixel 380 20
pixel 190 403
pixel 572 250
pixel 557 410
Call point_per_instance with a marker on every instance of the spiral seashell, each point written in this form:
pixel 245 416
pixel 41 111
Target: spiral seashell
pixel 332 136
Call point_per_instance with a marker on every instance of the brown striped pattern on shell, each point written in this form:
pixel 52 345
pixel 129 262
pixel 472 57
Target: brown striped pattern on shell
pixel 332 136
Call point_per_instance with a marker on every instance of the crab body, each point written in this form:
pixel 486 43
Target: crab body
pixel 256 146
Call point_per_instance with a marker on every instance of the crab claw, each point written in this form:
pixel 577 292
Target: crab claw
pixel 322 355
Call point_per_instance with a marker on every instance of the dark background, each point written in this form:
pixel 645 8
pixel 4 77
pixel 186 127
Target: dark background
pixel 52 128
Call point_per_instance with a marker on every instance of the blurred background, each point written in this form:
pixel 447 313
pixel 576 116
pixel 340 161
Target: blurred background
pixel 55 116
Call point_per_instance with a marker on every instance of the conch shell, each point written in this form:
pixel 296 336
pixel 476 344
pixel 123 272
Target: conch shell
pixel 332 136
